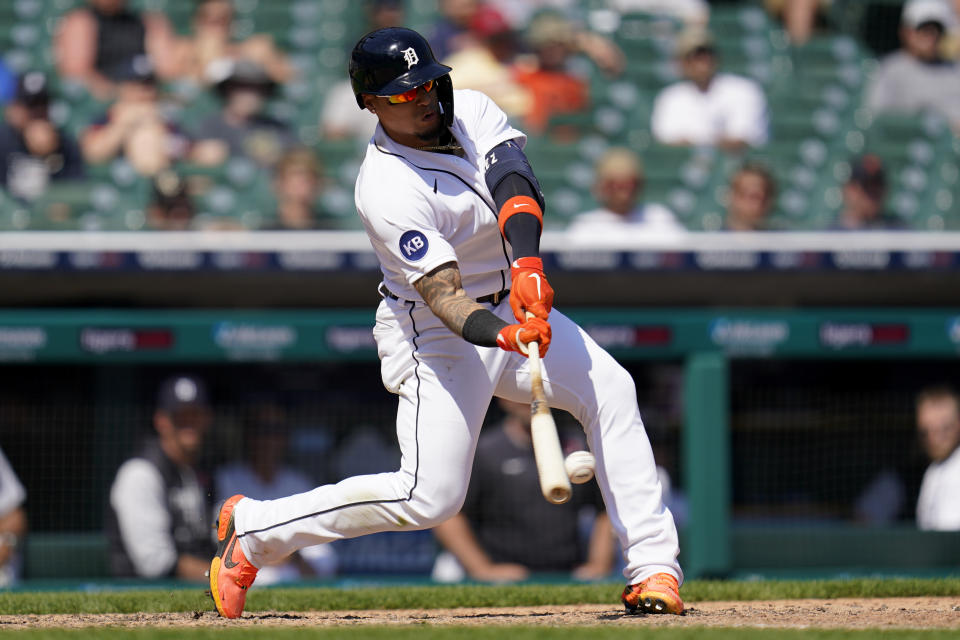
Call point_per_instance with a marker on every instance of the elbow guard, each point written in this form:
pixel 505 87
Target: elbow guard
pixel 503 160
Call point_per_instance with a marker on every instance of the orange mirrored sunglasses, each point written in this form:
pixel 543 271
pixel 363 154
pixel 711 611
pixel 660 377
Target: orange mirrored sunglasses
pixel 407 96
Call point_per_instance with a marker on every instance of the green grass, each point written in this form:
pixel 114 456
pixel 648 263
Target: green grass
pixel 478 633
pixel 410 597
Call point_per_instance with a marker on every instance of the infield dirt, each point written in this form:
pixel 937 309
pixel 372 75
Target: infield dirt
pixel 845 613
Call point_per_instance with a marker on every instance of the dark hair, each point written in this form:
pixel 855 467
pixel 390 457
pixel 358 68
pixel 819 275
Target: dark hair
pixel 938 392
pixel 761 170
pixel 200 4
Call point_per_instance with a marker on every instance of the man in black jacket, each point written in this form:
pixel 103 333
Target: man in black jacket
pixel 159 522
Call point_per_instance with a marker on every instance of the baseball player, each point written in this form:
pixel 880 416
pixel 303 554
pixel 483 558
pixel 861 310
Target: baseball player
pixel 454 213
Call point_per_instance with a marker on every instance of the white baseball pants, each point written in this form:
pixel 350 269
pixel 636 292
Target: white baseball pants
pixel 445 385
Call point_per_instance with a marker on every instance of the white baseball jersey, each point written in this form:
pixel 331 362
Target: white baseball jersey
pixel 938 506
pixel 421 210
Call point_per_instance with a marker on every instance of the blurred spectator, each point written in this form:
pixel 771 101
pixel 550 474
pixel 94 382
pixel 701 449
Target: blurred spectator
pixel 938 424
pixel 693 13
pixel 263 475
pixel 341 119
pixel 365 450
pixel 296 186
pixel 916 79
pixel 8 83
pixel 554 89
pixel 506 529
pixel 241 127
pixel 93 43
pixel 618 187
pixel 709 108
pixel 34 151
pixel 159 518
pixel 451 31
pixel 753 192
pixel 170 208
pixel 135 126
pixel 13 523
pixel 950 46
pixel 212 40
pixel 485 62
pixel 864 196
pixel 799 16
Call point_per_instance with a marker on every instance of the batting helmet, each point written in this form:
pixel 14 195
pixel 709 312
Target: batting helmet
pixel 390 61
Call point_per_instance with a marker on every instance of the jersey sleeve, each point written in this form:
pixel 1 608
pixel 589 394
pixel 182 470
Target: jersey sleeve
pixel 408 230
pixel 486 122
pixel 12 493
pixel 138 500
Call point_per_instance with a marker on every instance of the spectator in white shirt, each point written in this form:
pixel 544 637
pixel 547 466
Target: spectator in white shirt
pixel 938 424
pixel 618 186
pixel 916 79
pixel 709 108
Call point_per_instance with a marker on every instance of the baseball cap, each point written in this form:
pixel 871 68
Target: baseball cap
pixel 867 171
pixel 919 12
pixel 548 28
pixel 619 162
pixel 487 22
pixel 33 88
pixel 224 72
pixel 136 69
pixel 182 391
pixel 691 40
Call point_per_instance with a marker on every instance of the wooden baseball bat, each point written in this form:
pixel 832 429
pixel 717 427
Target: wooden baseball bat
pixel 554 482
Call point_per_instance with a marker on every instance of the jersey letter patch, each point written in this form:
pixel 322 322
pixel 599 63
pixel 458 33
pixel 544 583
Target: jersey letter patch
pixel 413 245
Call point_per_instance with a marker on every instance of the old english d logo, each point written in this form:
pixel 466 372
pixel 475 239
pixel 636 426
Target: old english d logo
pixel 410 57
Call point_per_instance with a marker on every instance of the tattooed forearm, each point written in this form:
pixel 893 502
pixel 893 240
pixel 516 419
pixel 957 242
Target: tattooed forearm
pixel 443 292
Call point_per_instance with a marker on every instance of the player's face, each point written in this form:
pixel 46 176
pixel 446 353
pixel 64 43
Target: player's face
pixel 938 424
pixel 413 123
pixel 183 430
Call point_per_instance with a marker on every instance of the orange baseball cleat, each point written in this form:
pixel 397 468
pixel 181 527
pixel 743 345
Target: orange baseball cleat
pixel 231 574
pixel 657 594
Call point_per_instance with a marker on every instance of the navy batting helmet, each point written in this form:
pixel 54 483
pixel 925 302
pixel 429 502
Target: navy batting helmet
pixel 390 61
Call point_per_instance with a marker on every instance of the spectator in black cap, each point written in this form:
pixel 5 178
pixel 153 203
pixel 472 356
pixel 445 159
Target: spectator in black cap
pixel 34 151
pixel 864 196
pixel 159 518
pixel 135 126
pixel 241 125
pixel 92 40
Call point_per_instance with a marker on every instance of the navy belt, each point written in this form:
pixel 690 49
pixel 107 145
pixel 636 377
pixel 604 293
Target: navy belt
pixel 493 298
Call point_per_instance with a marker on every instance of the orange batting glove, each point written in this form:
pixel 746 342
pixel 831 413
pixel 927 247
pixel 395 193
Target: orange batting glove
pixel 513 335
pixel 529 290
